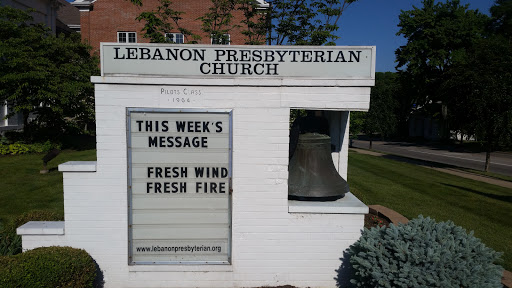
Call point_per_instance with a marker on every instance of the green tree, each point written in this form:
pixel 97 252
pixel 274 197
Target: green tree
pixel 501 13
pixel 217 22
pixel 438 35
pixel 163 20
pixel 381 117
pixel 291 22
pixel 481 84
pixel 255 22
pixel 44 75
pixel 357 119
pixel 301 22
pixel 485 80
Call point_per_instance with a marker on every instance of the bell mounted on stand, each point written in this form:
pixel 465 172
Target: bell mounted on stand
pixel 312 175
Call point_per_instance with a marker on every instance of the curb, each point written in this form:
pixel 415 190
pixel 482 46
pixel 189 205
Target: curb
pixel 390 215
pixel 506 280
pixel 396 218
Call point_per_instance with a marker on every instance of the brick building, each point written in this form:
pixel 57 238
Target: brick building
pixel 114 20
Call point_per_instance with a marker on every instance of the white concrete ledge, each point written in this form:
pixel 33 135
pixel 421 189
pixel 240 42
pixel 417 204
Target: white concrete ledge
pixel 346 205
pixel 41 228
pixel 78 166
pixel 256 82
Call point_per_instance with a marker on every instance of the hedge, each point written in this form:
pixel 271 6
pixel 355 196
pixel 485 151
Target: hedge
pixel 50 267
pixel 10 242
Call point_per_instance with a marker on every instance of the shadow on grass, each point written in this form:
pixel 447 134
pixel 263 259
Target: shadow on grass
pixel 503 198
pixel 416 161
pixel 467 147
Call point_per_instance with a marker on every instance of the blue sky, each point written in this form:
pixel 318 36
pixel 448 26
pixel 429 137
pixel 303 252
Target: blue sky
pixel 374 23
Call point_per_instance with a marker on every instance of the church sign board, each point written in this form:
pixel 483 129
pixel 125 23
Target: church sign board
pixel 179 164
pixel 325 62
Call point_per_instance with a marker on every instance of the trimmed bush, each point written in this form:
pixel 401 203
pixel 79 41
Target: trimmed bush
pixel 48 267
pixel 34 215
pixel 423 253
pixel 10 242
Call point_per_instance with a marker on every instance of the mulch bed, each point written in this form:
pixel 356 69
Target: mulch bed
pixel 371 220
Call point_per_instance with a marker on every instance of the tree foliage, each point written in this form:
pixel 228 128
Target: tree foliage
pixel 483 84
pixel 44 75
pixel 301 22
pixel 255 22
pixel 163 20
pixel 217 22
pixel 501 23
pixel 461 59
pixel 292 22
pixel 437 36
pixel 381 117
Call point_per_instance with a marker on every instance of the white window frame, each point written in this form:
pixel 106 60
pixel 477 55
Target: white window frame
pixel 174 37
pixel 127 35
pixel 229 40
pixel 3 108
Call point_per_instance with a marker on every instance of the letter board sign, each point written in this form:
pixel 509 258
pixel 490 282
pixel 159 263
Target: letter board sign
pixel 214 61
pixel 179 171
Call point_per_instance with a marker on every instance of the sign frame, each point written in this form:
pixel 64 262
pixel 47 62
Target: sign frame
pixel 130 110
pixel 116 62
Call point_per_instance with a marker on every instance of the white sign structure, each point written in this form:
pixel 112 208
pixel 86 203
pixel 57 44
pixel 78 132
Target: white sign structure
pixel 326 62
pixel 192 167
pixel 179 174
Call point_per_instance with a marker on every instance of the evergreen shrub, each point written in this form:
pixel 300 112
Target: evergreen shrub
pixel 48 267
pixel 423 253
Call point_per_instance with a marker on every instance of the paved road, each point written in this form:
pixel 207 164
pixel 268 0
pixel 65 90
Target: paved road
pixel 500 162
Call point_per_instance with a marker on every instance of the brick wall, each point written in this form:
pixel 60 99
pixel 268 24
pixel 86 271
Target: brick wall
pixel 108 17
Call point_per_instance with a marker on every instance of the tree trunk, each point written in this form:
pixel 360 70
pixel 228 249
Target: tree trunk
pixel 25 117
pixel 371 142
pixel 26 129
pixel 487 160
pixel 461 138
pixel 488 153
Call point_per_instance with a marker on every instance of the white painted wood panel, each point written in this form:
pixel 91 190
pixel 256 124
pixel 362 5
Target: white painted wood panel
pixel 168 203
pixel 174 217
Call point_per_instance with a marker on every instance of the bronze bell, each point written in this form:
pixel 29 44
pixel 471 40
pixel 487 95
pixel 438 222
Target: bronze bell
pixel 312 175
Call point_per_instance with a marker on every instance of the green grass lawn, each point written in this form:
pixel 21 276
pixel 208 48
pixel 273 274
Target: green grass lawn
pixel 24 189
pixel 409 189
pixel 413 190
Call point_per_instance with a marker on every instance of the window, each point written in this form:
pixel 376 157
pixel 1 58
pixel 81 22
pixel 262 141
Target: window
pixel 126 37
pixel 174 38
pixel 224 39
